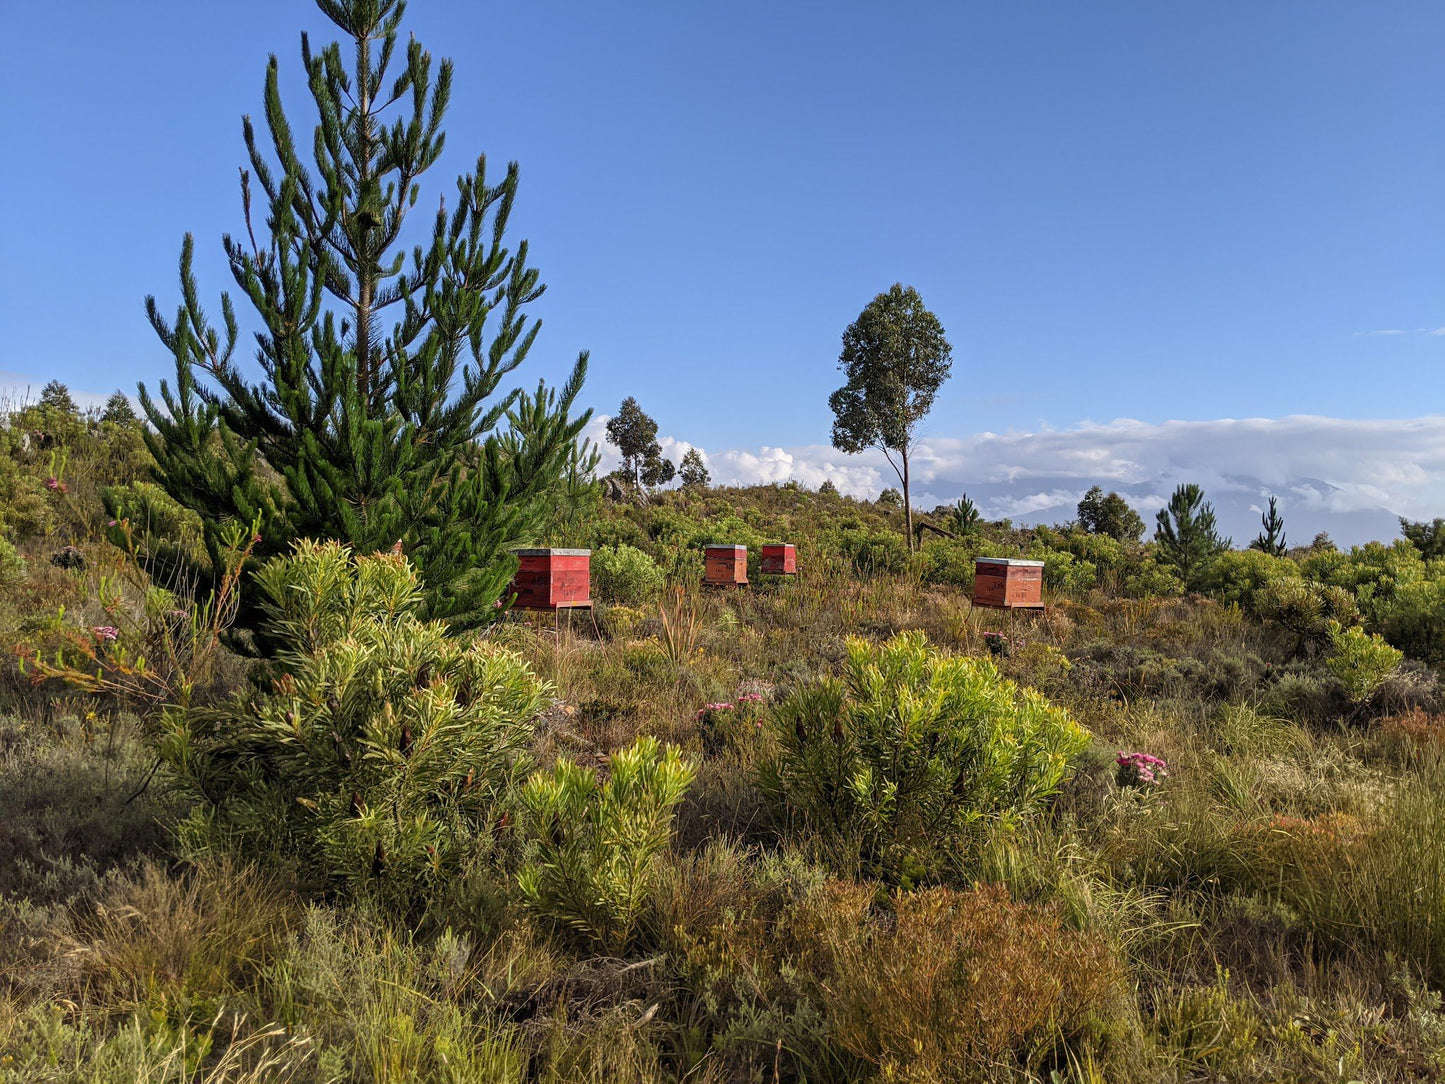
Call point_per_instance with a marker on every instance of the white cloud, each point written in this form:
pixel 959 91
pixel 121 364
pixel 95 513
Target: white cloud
pixel 1405 331
pixel 1318 465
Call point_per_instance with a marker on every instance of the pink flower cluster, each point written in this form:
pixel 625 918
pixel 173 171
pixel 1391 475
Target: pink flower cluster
pixel 55 485
pixel 710 709
pixel 105 632
pixel 751 698
pixel 1140 769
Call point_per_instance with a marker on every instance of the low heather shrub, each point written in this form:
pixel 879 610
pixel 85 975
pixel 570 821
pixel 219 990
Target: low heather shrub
pixel 958 982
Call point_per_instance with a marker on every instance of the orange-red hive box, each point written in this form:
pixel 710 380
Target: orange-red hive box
pixel 725 566
pixel 1008 583
pixel 780 559
pixel 553 579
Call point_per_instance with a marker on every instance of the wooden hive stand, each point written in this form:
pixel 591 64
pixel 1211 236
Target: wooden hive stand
pixel 725 566
pixel 549 579
pixel 1008 583
pixel 780 559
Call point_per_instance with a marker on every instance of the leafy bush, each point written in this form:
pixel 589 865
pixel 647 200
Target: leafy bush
pixel 593 843
pixel 1304 608
pixel 12 566
pixel 882 553
pixel 1151 579
pixel 949 564
pixel 1414 620
pixel 1362 662
pixel 1064 573
pixel 626 575
pixel 380 753
pixel 1237 576
pixel 911 751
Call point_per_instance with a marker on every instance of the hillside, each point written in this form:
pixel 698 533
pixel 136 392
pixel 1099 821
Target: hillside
pixel 840 827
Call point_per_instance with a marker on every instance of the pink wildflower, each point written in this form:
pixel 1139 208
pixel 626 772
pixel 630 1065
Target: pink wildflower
pixel 105 632
pixel 1140 769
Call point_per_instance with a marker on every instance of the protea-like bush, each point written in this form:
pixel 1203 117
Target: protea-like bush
pixel 379 757
pixel 592 842
pixel 911 752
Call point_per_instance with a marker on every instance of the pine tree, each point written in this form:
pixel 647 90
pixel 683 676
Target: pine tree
pixel 1186 534
pixel 965 516
pixel 634 433
pixel 693 471
pixel 1271 539
pixel 56 396
pixel 895 359
pixel 378 416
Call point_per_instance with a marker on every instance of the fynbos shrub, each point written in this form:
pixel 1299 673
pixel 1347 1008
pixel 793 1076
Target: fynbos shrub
pixel 625 574
pixel 1361 662
pixel 593 842
pixel 380 753
pixel 912 750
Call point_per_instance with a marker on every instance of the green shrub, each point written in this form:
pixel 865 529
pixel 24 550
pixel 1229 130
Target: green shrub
pixel 883 553
pixel 949 564
pixel 1414 620
pixel 593 843
pixel 1150 579
pixel 382 750
pixel 912 750
pixel 1362 662
pixel 1304 608
pixel 626 575
pixel 1237 576
pixel 1064 573
pixel 12 566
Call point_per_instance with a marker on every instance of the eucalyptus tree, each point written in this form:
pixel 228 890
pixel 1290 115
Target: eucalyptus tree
pixel 895 359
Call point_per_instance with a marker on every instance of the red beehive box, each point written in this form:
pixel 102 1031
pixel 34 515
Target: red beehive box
pixel 780 559
pixel 1008 583
pixel 725 566
pixel 553 579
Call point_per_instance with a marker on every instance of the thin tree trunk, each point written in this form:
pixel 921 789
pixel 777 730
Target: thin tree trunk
pixel 907 503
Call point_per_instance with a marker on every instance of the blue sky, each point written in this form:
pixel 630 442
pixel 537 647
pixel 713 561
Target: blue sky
pixel 1153 211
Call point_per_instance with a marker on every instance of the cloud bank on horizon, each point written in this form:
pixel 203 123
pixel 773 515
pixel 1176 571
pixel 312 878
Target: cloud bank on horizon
pixel 1325 466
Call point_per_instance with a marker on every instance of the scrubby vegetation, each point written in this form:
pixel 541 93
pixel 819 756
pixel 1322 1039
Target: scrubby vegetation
pixel 844 827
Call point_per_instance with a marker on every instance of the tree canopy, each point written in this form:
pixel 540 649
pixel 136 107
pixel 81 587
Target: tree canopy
pixel 1109 514
pixel 634 434
pixel 895 358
